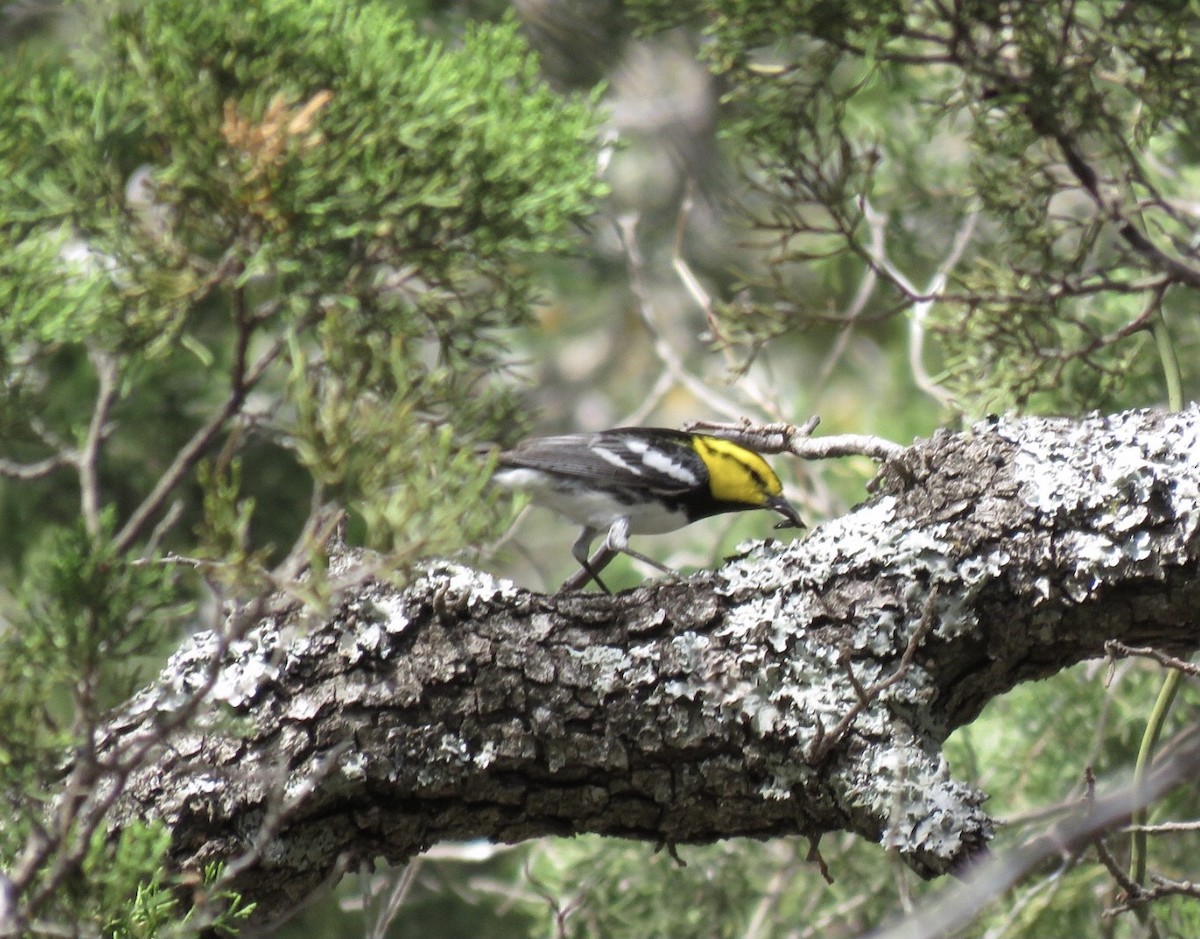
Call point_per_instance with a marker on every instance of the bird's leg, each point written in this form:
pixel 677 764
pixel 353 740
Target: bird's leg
pixel 645 560
pixel 591 568
pixel 617 542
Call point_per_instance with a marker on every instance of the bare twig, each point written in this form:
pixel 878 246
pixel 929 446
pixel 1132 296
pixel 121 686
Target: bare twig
pixel 1115 648
pixel 797 440
pixel 165 524
pixel 1163 887
pixel 243 380
pixel 689 280
pixel 50 437
pixel 1131 887
pixel 288 795
pixel 769 901
pixel 88 458
pixel 922 300
pixel 850 318
pixel 651 400
pixel 1042 813
pixel 63 452
pixel 703 299
pixel 391 894
pixel 10 469
pixel 1164 828
pixel 98 783
pixel 1132 235
pixel 627 228
pixel 814 857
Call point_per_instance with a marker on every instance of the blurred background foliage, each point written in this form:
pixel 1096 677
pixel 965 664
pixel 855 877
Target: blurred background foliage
pixel 264 262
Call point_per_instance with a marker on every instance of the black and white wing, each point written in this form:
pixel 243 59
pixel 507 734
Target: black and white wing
pixel 654 460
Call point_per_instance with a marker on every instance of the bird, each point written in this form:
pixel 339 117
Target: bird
pixel 638 481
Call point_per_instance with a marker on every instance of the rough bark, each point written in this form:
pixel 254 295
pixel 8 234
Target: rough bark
pixel 802 688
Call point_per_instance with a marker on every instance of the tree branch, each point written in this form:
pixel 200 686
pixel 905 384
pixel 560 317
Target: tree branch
pixel 242 381
pixel 686 710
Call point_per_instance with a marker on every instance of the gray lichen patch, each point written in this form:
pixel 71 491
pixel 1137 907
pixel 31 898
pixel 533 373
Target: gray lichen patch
pixel 1115 492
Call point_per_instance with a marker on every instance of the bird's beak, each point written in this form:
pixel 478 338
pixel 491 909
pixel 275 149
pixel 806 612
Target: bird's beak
pixel 791 518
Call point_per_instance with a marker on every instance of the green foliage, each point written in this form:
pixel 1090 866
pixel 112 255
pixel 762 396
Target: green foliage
pixel 350 136
pixel 325 185
pixel 258 263
pixel 379 422
pixel 82 622
pixel 78 639
pixel 224 534
pixel 78 636
pixel 89 606
pixel 109 870
pixel 50 304
pixel 1063 131
pixel 122 884
pixel 1018 348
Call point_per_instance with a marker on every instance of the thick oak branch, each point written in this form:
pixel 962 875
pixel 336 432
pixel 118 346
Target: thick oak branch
pixel 801 688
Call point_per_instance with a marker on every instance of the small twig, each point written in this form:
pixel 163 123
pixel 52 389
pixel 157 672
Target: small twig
pixel 1133 890
pixel 797 440
pixel 287 795
pixel 863 694
pixel 50 437
pixel 170 517
pixel 1083 171
pixel 766 909
pixel 88 458
pixel 178 560
pixel 1115 648
pixel 553 898
pixel 77 819
pixel 1136 325
pixel 323 523
pixel 189 455
pixel 10 469
pixel 397 893
pixel 627 229
pixel 1040 814
pixel 1163 888
pixel 689 280
pixel 691 284
pixel 651 400
pixel 814 857
pixel 896 823
pixel 1164 828
pixel 921 311
pixel 922 300
pixel 849 320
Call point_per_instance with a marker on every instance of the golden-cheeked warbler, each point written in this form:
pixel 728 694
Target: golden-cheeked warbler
pixel 639 481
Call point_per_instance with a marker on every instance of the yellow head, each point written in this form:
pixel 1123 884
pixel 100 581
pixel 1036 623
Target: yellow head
pixel 736 474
